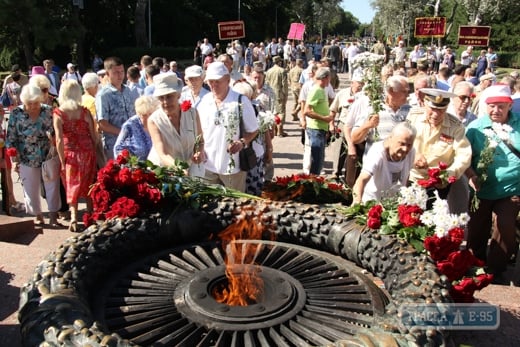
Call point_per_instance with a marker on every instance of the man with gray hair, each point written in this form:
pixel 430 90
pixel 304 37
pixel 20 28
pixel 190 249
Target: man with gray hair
pixel 387 166
pixel 369 126
pixel 318 119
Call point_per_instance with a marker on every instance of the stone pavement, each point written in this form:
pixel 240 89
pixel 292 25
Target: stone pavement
pixel 21 252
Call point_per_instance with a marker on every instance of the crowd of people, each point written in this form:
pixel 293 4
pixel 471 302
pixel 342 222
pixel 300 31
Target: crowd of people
pixel 217 107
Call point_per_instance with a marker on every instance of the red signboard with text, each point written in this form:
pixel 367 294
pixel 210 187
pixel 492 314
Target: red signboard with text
pixel 430 27
pixel 231 30
pixel 474 35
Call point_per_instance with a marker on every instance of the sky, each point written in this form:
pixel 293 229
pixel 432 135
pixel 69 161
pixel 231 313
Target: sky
pixel 360 9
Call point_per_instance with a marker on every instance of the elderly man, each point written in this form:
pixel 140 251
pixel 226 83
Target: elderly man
pixel 498 193
pixel 341 104
pixel 276 78
pixel 440 138
pixel 387 166
pixel 317 112
pixel 371 127
pixel 478 107
pixel 194 90
pixel 223 113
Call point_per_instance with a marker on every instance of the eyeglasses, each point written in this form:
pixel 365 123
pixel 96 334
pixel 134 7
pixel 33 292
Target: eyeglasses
pixel 464 98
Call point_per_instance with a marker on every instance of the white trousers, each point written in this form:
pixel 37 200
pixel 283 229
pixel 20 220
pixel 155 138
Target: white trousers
pixel 32 184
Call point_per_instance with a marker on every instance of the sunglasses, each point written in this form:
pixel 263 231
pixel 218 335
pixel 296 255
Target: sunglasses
pixel 464 98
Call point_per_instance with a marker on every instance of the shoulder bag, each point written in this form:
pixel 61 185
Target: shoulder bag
pixel 247 155
pixel 51 166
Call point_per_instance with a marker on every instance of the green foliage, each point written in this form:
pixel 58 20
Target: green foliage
pixel 133 54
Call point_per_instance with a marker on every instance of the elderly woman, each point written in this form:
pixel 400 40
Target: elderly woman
pixel 134 135
pixel 42 82
pixel 264 100
pixel 499 193
pixel 90 82
pixel 440 138
pixel 194 90
pixel 75 141
pixel 176 133
pixel 29 132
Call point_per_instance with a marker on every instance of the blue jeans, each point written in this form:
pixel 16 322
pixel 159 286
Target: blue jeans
pixel 317 142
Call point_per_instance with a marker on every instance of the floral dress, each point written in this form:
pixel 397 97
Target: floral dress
pixel 80 155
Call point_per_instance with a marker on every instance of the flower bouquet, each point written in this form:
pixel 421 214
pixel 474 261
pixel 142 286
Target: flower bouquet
pixel 435 231
pixel 494 135
pixel 266 120
pixel 305 188
pixel 13 153
pixel 371 65
pixel 437 177
pixel 128 187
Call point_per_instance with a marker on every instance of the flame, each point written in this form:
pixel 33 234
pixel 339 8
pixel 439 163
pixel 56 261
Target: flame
pixel 244 283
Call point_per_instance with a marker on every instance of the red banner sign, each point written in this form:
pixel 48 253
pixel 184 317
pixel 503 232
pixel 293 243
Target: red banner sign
pixel 474 35
pixel 231 30
pixel 296 31
pixel 430 27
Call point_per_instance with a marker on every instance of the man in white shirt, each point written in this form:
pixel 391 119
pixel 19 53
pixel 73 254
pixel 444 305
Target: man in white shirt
pixel 206 48
pixel 466 58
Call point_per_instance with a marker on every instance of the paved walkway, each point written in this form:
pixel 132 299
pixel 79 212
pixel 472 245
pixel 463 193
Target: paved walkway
pixel 19 257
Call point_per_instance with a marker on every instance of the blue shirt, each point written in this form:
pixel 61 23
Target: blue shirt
pixel 134 138
pixel 186 94
pixel 504 172
pixel 30 137
pixel 116 107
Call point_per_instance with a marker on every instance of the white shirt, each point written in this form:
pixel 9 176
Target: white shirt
pixel 220 126
pixel 386 176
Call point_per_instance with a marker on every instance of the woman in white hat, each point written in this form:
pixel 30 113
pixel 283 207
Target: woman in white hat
pixel 175 127
pixel 496 182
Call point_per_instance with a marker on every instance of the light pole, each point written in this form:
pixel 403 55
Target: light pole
pixel 238 9
pixel 149 24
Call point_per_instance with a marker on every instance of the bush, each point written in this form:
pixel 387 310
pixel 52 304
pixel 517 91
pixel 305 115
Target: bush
pixel 134 54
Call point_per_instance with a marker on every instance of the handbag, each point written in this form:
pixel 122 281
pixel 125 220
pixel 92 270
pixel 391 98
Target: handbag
pixel 6 100
pixel 51 166
pixel 247 156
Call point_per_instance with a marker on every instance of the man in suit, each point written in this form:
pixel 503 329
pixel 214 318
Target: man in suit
pixel 53 77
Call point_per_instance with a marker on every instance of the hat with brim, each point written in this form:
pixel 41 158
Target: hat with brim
pixel 436 98
pixel 487 77
pixel 166 83
pixel 37 70
pixel 216 71
pixel 498 93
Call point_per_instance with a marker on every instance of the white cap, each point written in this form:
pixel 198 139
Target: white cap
pixel 193 71
pixel 216 71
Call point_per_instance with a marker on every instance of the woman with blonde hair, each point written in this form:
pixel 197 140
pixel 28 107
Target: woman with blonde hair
pixel 75 140
pixel 134 135
pixel 42 82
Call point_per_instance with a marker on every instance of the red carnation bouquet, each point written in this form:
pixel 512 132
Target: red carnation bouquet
pixel 305 188
pixel 13 153
pixel 127 187
pixel 437 177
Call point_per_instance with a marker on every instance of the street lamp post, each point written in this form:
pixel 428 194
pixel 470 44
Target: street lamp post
pixel 149 24
pixel 238 9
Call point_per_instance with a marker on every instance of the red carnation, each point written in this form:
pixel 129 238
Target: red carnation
pixel 434 172
pixel 374 223
pixel 123 157
pixel 443 165
pixel 277 119
pixel 11 152
pixel 375 211
pixel 409 215
pixel 351 100
pixel 452 179
pixel 185 105
pixel 125 177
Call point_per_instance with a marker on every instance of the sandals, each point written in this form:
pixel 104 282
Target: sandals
pixel 73 226
pixel 39 220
